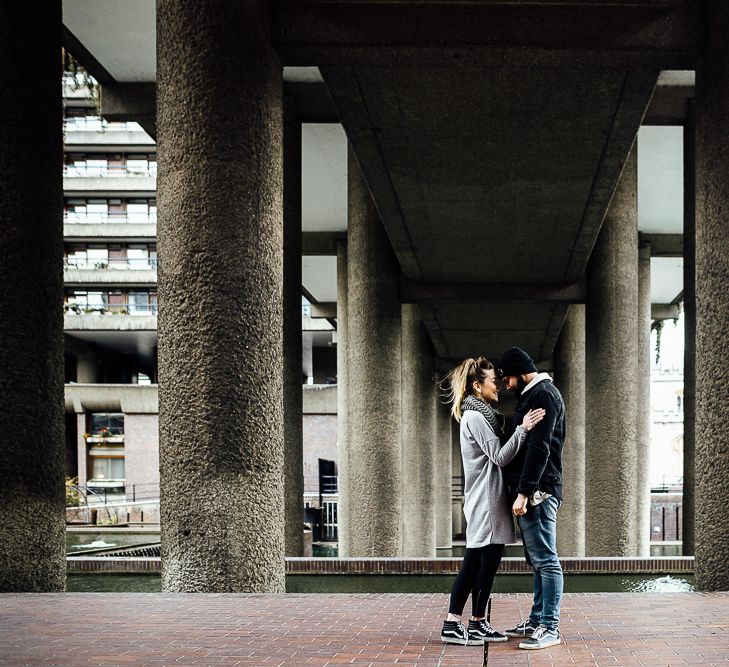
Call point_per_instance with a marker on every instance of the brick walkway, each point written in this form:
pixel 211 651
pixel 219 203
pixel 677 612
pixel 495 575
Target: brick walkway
pixel 159 629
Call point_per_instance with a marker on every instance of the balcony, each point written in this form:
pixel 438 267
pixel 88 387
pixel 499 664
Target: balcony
pixel 126 398
pixel 122 271
pixel 95 131
pixel 105 178
pixel 122 317
pixel 111 225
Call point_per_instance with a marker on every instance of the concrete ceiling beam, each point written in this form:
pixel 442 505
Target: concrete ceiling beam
pixel 666 34
pixel 321 243
pixel 634 100
pixel 664 245
pixel 324 310
pixel 665 311
pixel 131 102
pixel 413 291
pixel 137 101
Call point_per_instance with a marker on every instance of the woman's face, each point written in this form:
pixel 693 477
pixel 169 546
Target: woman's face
pixel 487 390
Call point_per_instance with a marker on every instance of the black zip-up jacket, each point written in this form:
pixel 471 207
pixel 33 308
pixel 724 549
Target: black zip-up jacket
pixel 538 465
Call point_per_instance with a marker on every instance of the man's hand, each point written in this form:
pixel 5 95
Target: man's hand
pixel 520 505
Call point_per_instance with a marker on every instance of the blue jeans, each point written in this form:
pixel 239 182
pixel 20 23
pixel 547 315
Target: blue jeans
pixel 539 532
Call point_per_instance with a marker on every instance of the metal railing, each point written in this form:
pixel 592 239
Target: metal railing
pixel 115 263
pixel 123 171
pixel 98 124
pixel 116 309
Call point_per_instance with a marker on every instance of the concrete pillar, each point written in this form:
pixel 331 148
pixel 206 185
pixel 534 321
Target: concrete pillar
pixel 611 387
pixel 220 231
pixel 689 323
pixel 570 378
pixel 87 368
pixel 443 473
pixel 81 449
pixel 712 303
pixel 32 455
pixel 643 382
pixel 292 344
pixel 373 344
pixel 342 403
pixel 458 520
pixel 418 437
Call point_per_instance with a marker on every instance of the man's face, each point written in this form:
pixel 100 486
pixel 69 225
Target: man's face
pixel 514 383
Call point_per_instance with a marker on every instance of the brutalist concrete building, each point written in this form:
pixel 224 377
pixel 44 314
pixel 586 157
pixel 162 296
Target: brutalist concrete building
pixel 500 156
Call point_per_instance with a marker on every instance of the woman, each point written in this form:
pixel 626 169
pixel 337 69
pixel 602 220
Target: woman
pixel 472 389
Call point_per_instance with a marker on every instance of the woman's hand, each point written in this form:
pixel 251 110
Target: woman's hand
pixel 532 418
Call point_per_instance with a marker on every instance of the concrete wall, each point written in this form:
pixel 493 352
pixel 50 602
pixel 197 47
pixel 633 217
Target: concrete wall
pixel 320 442
pixel 320 399
pixel 141 447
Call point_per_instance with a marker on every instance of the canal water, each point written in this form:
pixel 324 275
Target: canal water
pixel 308 583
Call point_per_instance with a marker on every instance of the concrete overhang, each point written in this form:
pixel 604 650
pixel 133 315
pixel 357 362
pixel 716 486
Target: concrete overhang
pixel 126 398
pixel 109 231
pixel 107 277
pixel 491 134
pixel 657 34
pixel 135 341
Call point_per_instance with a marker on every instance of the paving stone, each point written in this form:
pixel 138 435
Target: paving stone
pixel 372 630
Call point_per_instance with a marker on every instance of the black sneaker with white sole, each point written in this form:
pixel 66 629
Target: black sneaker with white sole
pixel 523 629
pixel 481 629
pixel 454 632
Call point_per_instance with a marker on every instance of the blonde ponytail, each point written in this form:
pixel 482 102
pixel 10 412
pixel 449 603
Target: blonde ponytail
pixel 458 383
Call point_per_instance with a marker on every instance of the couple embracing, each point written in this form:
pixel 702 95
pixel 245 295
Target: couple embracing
pixel 509 470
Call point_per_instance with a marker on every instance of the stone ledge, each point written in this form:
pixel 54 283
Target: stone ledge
pixel 400 566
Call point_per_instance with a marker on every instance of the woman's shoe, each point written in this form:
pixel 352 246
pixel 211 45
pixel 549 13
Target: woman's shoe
pixel 454 632
pixel 481 629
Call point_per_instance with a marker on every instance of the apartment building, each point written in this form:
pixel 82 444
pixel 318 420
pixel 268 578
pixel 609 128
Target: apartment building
pixel 110 301
pixel 110 321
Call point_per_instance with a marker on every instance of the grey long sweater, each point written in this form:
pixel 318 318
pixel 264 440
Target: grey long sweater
pixel 487 506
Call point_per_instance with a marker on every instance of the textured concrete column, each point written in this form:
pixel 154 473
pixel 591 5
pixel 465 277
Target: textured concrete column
pixel 459 521
pixel 643 380
pixel 418 437
pixel 712 303
pixel 570 378
pixel 292 345
pixel 689 323
pixel 611 387
pixel 443 473
pixel 373 343
pixel 342 404
pixel 220 230
pixel 32 455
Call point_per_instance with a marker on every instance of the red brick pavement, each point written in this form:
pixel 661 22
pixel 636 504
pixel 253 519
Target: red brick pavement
pixel 109 629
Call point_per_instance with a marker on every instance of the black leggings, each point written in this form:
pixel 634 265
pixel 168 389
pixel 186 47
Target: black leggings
pixel 476 577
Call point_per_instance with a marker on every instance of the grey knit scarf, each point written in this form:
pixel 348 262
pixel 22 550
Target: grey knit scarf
pixel 493 417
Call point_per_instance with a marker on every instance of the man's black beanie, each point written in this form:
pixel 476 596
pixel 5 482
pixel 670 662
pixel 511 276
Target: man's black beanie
pixel 515 362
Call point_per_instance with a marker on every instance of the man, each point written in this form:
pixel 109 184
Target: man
pixel 534 479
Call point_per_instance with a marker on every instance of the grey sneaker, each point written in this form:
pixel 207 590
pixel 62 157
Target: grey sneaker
pixel 542 638
pixel 524 629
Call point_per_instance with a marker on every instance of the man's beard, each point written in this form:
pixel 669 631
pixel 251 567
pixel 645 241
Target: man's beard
pixel 520 386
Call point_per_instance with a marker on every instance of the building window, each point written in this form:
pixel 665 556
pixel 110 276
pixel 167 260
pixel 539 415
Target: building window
pixel 113 422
